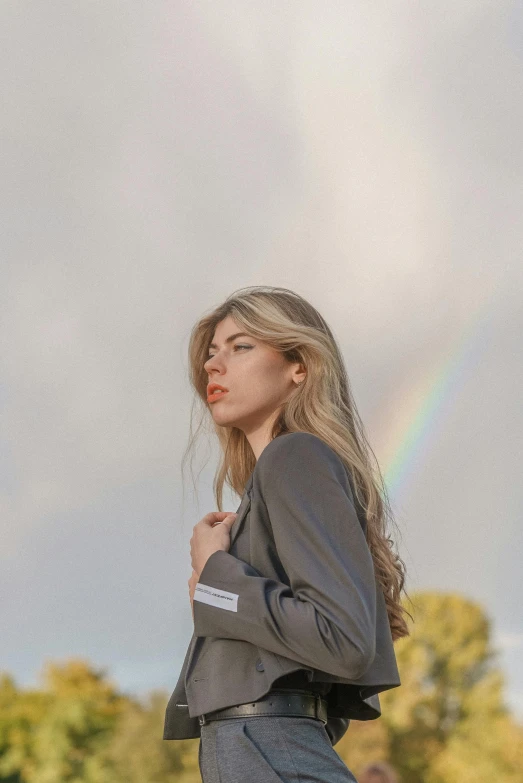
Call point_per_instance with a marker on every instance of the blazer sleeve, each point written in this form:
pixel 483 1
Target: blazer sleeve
pixel 326 617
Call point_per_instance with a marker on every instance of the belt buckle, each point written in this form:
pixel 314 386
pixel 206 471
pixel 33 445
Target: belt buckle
pixel 202 720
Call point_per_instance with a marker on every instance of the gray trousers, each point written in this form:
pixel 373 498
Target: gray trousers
pixel 269 749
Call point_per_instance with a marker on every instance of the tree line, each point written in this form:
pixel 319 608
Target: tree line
pixel 446 723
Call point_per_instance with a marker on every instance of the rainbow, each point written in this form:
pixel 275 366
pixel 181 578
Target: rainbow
pixel 413 426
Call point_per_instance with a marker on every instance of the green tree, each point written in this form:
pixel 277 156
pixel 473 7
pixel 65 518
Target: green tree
pixel 82 713
pixel 55 735
pixel 138 754
pixel 448 722
pixel 20 712
pixel 80 729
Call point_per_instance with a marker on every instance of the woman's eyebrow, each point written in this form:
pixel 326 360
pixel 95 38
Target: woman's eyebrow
pixel 230 338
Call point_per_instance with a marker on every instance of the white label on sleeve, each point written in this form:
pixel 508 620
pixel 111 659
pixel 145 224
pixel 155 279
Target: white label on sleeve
pixel 214 597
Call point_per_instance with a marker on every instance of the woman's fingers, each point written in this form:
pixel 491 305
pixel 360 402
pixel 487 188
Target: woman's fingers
pixel 215 516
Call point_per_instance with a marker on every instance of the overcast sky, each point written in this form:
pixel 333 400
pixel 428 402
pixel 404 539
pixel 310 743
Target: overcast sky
pixel 156 157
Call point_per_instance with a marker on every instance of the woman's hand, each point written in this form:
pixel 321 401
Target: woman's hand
pixel 210 535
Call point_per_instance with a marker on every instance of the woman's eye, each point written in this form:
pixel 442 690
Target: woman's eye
pixel 236 346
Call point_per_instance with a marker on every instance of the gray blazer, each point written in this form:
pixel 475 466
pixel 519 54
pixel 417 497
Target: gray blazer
pixel 296 590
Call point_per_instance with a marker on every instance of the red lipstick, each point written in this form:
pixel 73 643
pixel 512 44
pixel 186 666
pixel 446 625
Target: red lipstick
pixel 215 391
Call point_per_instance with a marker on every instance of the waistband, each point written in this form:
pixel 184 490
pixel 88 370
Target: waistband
pixel 276 702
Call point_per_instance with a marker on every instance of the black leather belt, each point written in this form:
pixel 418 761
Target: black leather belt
pixel 277 702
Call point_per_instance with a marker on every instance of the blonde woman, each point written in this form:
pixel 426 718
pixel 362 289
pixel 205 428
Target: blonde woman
pixel 296 596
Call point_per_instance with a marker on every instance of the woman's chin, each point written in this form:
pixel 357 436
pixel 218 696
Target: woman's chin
pixel 223 419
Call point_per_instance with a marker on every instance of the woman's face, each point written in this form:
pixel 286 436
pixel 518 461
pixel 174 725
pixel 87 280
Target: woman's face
pixel 258 378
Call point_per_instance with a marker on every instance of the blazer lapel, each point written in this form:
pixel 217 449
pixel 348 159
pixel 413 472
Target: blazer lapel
pixel 243 508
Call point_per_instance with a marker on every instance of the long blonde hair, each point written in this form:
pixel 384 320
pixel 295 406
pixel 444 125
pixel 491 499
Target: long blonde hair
pixel 322 405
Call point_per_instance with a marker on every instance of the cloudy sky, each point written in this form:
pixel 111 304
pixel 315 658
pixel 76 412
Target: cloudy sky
pixel 156 157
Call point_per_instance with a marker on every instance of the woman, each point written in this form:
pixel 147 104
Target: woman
pixel 296 598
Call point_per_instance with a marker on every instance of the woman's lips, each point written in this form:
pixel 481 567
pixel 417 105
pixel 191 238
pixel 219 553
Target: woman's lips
pixel 216 396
